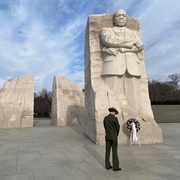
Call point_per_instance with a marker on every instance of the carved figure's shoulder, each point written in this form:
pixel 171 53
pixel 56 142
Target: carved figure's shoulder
pixel 131 30
pixel 106 29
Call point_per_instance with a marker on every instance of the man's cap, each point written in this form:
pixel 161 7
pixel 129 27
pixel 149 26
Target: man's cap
pixel 113 109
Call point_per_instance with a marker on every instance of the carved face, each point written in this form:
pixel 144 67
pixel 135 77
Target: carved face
pixel 119 18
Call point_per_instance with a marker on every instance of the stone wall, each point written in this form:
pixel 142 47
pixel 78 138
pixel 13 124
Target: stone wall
pixel 17 102
pixel 166 113
pixel 67 103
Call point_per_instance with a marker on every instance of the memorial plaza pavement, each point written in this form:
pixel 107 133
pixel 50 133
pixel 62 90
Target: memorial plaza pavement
pixel 47 152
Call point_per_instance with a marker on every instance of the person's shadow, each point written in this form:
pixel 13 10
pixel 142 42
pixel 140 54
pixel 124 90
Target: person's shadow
pixel 126 132
pixel 94 154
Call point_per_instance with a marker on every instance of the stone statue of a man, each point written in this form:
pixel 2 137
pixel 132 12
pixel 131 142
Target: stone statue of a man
pixel 115 76
pixel 121 63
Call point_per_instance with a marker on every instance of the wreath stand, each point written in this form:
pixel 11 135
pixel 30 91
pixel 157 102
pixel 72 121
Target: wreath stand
pixel 133 134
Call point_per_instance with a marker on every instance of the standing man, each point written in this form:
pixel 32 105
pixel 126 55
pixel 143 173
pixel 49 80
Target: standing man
pixel 112 127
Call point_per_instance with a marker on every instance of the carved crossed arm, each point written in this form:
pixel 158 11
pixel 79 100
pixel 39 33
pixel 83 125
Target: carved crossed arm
pixel 115 43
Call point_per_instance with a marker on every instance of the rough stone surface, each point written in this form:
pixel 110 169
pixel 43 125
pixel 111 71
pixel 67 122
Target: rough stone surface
pixel 67 103
pixel 17 102
pixel 98 98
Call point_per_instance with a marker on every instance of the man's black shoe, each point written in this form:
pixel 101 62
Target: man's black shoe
pixel 109 167
pixel 117 169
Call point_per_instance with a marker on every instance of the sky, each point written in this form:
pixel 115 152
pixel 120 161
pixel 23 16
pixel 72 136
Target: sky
pixel 46 37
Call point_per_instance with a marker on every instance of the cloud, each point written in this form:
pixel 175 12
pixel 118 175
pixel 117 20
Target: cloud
pixel 46 38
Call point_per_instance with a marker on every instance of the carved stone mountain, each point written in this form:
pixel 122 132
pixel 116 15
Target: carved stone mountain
pixel 98 98
pixel 67 103
pixel 17 102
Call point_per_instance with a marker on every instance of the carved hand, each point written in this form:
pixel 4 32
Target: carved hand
pixel 139 45
pixel 134 49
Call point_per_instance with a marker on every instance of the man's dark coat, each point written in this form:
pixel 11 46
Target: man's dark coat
pixel 112 127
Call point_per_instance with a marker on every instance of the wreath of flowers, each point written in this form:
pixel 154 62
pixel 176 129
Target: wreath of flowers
pixel 129 126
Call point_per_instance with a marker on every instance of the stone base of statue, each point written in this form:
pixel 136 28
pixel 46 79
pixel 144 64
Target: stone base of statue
pixel 104 91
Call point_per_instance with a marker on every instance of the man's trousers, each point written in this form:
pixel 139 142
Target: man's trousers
pixel 115 161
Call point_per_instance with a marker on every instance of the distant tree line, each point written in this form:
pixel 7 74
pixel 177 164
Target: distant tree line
pixel 42 103
pixel 167 92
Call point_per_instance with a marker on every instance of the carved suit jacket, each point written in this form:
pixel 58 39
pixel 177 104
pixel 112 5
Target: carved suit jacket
pixel 116 62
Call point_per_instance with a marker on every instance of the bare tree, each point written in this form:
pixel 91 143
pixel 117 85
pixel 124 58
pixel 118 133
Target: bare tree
pixel 175 80
pixel 42 103
pixel 167 92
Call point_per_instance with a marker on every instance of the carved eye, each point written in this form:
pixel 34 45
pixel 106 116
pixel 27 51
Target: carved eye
pixel 119 15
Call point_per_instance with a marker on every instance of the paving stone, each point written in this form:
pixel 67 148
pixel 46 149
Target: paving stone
pixel 53 153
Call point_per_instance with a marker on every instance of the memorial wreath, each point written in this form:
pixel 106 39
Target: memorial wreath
pixel 129 124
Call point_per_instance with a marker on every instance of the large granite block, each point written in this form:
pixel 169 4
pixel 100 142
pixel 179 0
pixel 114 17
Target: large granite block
pixel 115 76
pixel 67 103
pixel 17 102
